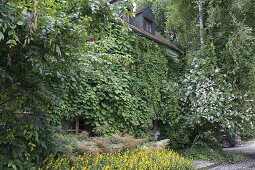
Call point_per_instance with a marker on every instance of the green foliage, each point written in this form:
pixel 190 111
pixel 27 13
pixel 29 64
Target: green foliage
pixel 247 132
pixel 103 98
pixel 208 104
pixel 180 136
pixel 25 140
pixel 209 99
pixel 67 59
pixel 211 154
pixel 241 71
pixel 119 83
pixel 35 53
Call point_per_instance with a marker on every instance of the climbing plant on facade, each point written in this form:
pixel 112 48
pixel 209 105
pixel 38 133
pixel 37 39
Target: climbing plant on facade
pixel 119 83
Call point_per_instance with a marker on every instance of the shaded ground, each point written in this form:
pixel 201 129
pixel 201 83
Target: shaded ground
pixel 248 149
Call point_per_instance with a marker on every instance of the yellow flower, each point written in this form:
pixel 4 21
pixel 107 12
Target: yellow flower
pixel 128 160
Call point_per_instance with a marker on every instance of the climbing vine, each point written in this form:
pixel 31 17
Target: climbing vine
pixel 119 83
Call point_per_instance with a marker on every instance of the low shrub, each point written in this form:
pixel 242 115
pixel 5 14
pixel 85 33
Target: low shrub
pixel 247 131
pixel 136 159
pixel 71 145
pixel 209 154
pixel 205 153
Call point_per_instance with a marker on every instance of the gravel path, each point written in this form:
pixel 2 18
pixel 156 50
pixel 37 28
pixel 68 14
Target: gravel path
pixel 248 149
pixel 244 165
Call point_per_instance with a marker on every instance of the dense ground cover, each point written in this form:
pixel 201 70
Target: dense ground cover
pixel 211 154
pixel 136 159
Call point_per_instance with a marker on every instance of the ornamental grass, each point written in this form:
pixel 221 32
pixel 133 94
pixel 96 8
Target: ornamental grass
pixel 127 160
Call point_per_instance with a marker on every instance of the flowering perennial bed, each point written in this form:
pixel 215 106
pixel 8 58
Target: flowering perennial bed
pixel 137 160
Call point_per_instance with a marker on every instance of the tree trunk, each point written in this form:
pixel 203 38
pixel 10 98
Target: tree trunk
pixel 201 21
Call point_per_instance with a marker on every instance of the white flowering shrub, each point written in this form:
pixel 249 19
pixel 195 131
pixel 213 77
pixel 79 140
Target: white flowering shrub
pixel 208 104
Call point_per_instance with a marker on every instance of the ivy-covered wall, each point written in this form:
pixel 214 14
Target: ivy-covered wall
pixel 123 83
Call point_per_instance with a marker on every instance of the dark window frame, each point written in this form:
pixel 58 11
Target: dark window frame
pixel 147 25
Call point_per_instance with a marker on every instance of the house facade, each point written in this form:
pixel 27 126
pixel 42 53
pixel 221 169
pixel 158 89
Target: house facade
pixel 144 24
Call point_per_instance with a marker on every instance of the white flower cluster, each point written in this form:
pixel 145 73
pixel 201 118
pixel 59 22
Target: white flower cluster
pixel 207 100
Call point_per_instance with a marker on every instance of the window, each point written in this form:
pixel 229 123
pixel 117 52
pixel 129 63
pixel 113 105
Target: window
pixel 147 25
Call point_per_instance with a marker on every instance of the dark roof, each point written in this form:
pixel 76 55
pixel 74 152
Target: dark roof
pixel 158 39
pixel 142 9
pixel 112 1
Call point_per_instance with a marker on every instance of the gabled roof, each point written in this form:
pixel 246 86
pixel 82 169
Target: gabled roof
pixel 143 9
pixel 147 8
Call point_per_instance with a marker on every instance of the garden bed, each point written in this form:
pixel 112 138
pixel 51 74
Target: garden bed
pixel 136 159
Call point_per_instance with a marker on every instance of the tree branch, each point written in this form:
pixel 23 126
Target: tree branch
pixel 5 101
